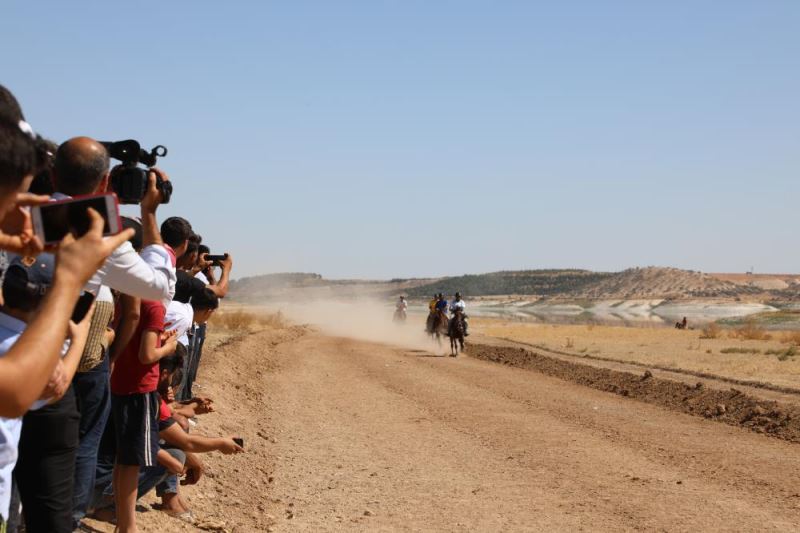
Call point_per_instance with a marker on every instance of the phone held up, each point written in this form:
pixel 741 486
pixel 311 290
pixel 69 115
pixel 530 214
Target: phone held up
pixel 82 307
pixel 54 220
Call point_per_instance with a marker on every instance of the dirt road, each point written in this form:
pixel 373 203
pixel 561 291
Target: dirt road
pixel 377 438
pixel 346 435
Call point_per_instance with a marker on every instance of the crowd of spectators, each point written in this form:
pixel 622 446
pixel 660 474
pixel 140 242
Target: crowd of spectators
pixel 97 413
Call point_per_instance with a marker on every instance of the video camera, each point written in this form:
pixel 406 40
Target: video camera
pixel 129 180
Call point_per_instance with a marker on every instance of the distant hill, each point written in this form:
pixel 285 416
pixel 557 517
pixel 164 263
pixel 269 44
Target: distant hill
pixel 524 282
pixel 663 282
pixel 634 283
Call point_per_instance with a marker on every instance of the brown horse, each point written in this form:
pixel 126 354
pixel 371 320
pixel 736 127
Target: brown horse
pixel 456 333
pixel 437 325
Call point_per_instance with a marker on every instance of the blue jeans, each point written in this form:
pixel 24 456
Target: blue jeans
pixel 149 478
pixel 193 361
pixel 94 403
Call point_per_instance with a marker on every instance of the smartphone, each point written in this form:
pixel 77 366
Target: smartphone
pixel 82 307
pixel 216 258
pixel 52 221
pixel 239 441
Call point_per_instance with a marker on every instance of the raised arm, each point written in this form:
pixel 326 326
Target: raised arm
pixel 27 366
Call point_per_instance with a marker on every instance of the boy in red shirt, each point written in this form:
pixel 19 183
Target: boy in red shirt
pixel 135 406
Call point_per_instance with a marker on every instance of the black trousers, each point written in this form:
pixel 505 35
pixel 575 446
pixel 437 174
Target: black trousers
pixel 45 469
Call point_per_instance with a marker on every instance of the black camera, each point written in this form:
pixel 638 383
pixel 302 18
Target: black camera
pixel 129 180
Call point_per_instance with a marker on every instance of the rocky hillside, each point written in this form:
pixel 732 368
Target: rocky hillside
pixel 634 283
pixel 658 282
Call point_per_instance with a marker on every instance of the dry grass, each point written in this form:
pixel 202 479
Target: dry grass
pixel 711 331
pixel 240 321
pixel 791 337
pixel 740 350
pixel 661 346
pixel 751 331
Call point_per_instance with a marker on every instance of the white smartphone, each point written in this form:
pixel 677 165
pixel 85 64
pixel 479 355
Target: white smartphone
pixel 52 221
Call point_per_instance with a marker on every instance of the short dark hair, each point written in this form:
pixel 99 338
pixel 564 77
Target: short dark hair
pixel 186 286
pixel 205 299
pixel 175 231
pixel 18 155
pixel 203 249
pixel 192 247
pixel 173 362
pixel 78 170
pixel 9 106
pixel 43 180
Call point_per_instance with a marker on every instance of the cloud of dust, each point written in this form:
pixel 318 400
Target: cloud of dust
pixel 365 319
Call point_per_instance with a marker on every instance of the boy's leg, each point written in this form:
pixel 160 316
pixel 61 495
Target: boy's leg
pixel 136 425
pixel 125 496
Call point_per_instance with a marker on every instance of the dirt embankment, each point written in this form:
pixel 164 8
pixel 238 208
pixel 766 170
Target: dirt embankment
pixel 731 406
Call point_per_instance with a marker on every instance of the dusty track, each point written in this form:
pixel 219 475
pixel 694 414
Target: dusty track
pixel 349 435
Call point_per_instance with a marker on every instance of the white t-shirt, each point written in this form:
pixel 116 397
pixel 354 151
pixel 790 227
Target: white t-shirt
pixel 202 277
pixel 179 316
pixel 457 305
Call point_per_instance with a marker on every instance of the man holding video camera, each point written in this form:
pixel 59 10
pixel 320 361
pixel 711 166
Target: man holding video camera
pixel 82 168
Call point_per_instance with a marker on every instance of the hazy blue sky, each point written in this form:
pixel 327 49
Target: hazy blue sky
pixel 412 138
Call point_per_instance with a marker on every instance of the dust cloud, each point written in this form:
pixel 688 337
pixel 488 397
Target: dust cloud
pixel 364 319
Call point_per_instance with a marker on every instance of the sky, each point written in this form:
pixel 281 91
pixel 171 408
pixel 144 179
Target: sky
pixel 383 139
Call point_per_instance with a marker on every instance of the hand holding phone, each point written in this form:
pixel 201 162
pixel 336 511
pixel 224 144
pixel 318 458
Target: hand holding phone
pixel 52 221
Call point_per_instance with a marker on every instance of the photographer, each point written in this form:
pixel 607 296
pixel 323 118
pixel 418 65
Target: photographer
pixel 82 167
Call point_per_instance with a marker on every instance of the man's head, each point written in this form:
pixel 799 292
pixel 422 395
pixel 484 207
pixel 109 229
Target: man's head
pixel 81 167
pixel 175 231
pixel 25 284
pixel 189 258
pixel 43 180
pixel 18 162
pixel 204 303
pixel 186 287
pixel 458 296
pixel 171 370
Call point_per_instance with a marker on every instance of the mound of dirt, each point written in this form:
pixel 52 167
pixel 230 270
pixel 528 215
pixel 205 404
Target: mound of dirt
pixel 660 282
pixel 731 406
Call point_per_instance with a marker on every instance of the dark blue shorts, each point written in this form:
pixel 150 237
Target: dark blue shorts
pixel 136 428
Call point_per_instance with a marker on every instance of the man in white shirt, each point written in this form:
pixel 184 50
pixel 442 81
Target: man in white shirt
pixel 458 304
pixel 82 167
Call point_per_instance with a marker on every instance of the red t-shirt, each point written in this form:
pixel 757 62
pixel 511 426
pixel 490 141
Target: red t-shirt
pixel 130 376
pixel 164 412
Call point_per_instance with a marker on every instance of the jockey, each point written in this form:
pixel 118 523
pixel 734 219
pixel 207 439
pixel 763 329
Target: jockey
pixel 441 305
pixel 432 303
pixel 402 305
pixel 457 304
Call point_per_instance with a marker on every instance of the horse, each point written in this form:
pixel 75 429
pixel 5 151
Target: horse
pixel 437 325
pixel 455 331
pixel 682 325
pixel 399 315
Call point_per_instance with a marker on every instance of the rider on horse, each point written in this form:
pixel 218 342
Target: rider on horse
pixel 441 305
pixel 458 304
pixel 400 310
